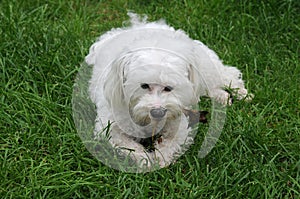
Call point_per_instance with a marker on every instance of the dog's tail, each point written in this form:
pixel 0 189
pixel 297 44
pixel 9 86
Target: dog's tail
pixel 136 19
pixel 141 19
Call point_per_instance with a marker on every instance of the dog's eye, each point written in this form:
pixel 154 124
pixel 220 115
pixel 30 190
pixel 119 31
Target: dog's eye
pixel 168 88
pixel 145 86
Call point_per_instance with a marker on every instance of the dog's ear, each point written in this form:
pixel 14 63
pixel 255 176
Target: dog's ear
pixel 113 84
pixel 195 77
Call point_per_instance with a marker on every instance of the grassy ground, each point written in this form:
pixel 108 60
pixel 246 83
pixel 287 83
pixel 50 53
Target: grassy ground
pixel 42 45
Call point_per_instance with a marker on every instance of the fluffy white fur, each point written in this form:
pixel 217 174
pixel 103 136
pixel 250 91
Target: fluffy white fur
pixel 177 71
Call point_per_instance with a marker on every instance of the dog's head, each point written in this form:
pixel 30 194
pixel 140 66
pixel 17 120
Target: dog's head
pixel 152 85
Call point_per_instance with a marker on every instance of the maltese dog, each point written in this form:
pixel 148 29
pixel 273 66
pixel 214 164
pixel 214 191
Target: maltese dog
pixel 146 82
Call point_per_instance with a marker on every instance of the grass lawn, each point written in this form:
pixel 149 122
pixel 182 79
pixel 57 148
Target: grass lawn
pixel 43 43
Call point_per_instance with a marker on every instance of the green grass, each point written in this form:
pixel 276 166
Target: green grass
pixel 42 44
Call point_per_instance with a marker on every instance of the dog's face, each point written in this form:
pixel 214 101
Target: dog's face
pixel 154 103
pixel 156 87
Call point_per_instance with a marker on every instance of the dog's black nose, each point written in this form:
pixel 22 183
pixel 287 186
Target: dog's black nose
pixel 158 112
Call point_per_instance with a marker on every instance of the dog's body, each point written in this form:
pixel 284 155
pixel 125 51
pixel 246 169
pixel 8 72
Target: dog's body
pixel 143 79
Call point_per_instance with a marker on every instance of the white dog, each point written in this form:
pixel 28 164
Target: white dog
pixel 146 79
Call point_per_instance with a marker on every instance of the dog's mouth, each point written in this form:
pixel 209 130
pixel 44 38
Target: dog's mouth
pixel 144 121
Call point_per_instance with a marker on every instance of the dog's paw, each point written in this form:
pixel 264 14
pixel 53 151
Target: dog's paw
pixel 243 94
pixel 239 94
pixel 229 95
pixel 221 96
